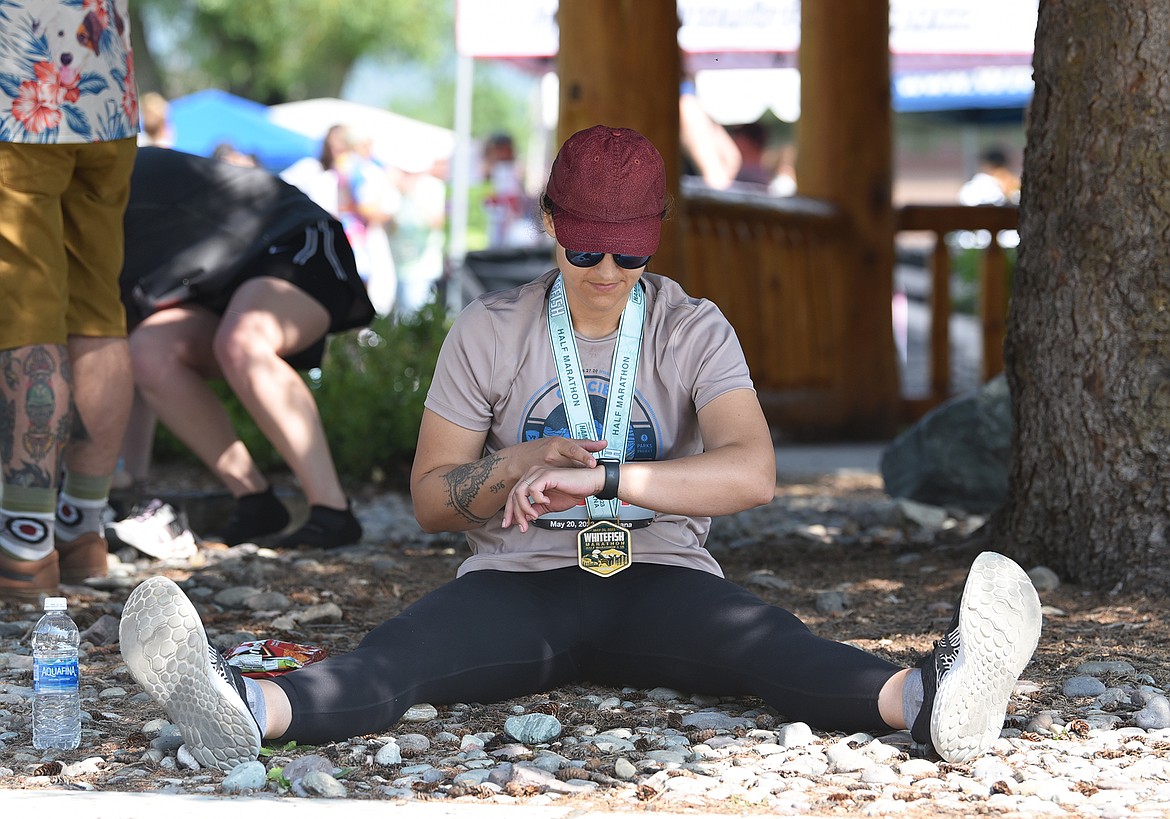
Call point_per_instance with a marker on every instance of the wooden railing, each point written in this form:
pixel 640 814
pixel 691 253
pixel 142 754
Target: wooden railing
pixel 773 265
pixel 777 268
pixel 941 220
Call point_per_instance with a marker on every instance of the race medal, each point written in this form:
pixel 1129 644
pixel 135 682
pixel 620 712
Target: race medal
pixel 604 548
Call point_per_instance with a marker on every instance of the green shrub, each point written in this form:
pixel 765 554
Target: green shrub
pixel 965 277
pixel 370 391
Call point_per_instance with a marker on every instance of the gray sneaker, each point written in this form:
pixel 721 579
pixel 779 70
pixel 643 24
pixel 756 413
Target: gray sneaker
pixel 968 678
pixel 166 650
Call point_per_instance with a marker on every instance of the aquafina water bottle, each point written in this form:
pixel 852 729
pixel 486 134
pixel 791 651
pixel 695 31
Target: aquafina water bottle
pixel 56 700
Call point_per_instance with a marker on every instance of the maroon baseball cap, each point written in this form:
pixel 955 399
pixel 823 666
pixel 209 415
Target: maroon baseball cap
pixel 609 189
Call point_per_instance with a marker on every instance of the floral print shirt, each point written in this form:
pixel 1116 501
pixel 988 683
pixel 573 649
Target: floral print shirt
pixel 66 71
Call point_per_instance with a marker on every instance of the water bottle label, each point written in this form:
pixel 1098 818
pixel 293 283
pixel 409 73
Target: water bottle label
pixel 55 676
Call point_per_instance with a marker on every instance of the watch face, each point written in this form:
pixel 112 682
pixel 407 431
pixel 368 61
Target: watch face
pixel 604 548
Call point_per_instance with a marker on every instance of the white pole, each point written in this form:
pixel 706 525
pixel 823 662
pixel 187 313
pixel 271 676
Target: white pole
pixel 460 179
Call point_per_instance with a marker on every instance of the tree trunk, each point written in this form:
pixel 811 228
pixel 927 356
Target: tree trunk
pixel 147 73
pixel 1088 340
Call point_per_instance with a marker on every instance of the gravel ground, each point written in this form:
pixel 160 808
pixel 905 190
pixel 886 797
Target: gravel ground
pixel 1087 732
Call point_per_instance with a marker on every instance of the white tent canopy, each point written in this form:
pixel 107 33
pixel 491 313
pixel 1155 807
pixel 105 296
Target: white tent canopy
pixel 398 140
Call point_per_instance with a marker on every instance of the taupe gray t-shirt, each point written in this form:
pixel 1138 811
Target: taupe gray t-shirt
pixel 496 374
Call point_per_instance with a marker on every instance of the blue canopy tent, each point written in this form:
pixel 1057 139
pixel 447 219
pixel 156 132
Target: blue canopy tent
pixel 205 119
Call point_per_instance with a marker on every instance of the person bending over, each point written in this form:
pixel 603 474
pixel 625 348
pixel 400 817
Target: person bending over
pixel 233 273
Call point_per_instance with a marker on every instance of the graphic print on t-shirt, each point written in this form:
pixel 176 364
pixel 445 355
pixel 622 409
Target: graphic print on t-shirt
pixel 545 416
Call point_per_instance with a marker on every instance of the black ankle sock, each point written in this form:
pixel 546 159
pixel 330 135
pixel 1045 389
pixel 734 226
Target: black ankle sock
pixel 262 505
pixel 256 515
pixel 326 528
pixel 329 516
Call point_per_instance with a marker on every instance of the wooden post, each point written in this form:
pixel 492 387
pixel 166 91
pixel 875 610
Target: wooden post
pixel 619 65
pixel 993 306
pixel 940 320
pixel 845 156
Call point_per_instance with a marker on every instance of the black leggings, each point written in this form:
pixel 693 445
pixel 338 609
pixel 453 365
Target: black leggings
pixel 490 636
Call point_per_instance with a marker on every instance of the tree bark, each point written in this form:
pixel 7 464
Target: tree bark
pixel 1088 342
pixel 147 73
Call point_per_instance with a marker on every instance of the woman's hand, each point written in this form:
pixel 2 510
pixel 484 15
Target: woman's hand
pixel 564 470
pixel 544 490
pixel 456 487
pixel 555 452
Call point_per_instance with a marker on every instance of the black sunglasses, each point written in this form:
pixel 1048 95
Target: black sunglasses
pixel 581 258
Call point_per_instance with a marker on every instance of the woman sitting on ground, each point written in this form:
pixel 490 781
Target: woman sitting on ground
pixel 582 429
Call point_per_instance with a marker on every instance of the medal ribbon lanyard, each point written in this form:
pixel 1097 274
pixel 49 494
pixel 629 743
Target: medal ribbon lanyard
pixel 623 373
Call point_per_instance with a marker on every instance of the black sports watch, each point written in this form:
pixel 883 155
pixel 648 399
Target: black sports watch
pixel 612 467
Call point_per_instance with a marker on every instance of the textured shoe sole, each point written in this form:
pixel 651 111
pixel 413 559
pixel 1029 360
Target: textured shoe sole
pixel 999 626
pixel 165 648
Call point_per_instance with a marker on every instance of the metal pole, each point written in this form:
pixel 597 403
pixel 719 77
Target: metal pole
pixel 460 180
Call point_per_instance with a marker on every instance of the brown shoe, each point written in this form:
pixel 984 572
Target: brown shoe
pixel 82 558
pixel 29 580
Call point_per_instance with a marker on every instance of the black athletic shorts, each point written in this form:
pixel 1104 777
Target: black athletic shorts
pixel 318 260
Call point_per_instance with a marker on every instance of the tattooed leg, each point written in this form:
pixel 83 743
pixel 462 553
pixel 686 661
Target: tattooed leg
pixel 464 484
pixel 33 432
pixel 36 407
pixel 102 388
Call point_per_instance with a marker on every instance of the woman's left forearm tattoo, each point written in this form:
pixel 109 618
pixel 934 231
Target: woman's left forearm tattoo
pixel 464 483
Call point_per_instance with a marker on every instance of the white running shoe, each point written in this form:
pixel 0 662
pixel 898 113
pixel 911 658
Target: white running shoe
pixel 157 530
pixel 166 649
pixel 968 678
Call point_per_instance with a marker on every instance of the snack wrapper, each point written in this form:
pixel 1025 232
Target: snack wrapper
pixel 262 659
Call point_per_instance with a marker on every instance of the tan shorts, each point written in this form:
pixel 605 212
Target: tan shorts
pixel 61 240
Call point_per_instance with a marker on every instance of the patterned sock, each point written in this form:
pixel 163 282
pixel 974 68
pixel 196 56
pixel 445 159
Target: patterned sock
pixel 26 522
pixel 912 696
pixel 87 487
pixel 256 703
pixel 78 516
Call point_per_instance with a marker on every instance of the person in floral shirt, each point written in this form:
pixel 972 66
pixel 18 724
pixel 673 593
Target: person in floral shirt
pixel 68 133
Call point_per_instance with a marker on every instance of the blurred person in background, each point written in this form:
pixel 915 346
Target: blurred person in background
pixel 318 177
pixel 355 189
pixel 509 210
pixel 417 238
pixel 752 141
pixel 156 123
pixel 709 152
pixel 995 183
pixel 376 200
